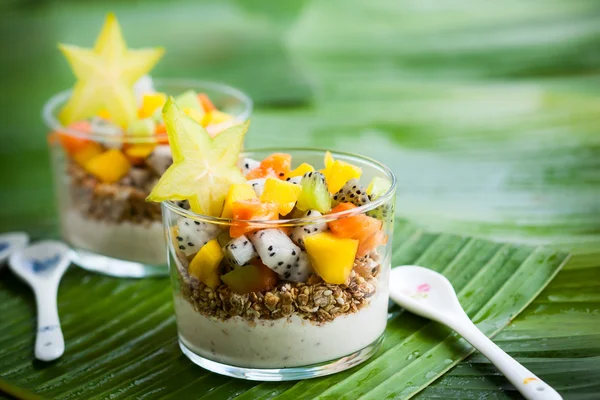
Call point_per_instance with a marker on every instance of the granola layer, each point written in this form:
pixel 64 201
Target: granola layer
pixel 123 201
pixel 314 300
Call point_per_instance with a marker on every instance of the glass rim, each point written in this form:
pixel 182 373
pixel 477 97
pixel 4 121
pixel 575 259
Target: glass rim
pixel 49 111
pixel 383 199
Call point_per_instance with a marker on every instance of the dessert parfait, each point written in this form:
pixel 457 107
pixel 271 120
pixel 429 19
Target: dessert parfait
pixel 279 261
pixel 109 147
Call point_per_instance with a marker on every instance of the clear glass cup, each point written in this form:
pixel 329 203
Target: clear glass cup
pixel 294 330
pixel 110 226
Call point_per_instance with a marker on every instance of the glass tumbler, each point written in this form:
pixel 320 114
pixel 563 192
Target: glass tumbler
pixel 110 227
pixel 245 323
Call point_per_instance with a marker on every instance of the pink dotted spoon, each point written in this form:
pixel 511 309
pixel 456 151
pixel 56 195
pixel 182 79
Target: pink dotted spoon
pixel 429 294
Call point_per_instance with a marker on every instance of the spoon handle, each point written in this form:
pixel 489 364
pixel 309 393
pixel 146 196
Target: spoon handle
pixel 49 341
pixel 530 386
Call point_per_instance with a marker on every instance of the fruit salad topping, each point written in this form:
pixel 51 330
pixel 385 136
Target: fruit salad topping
pixel 250 251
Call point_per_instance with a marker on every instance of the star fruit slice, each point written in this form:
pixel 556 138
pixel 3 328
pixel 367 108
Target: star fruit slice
pixel 203 167
pixel 106 75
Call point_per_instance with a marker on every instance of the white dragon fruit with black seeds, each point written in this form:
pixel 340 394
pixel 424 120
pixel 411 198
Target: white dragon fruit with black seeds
pixel 192 235
pixel 278 252
pixel 239 251
pixel 300 271
pixel 248 164
pixel 300 232
pixel 182 204
pixel 351 192
pixel 258 185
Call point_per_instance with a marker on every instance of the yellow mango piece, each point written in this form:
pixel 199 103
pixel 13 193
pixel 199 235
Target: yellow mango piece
pixel 338 173
pixel 139 151
pixel 284 194
pixel 194 114
pixel 332 257
pixel 150 103
pixel 217 117
pixel 237 192
pixel 85 154
pixel 328 160
pixel 109 166
pixel 301 170
pixel 205 264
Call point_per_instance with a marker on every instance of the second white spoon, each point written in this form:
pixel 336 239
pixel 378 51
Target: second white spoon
pixel 42 265
pixel 429 294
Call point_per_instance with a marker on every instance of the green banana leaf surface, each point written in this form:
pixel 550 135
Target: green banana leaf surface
pixel 121 337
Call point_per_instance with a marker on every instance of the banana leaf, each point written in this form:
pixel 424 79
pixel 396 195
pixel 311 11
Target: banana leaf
pixel 121 341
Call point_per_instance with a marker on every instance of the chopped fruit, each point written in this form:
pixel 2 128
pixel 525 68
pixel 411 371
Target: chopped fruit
pixel 218 117
pixel 205 265
pixel 315 195
pixel 203 167
pixel 301 170
pixel 161 130
pixel 377 187
pixel 251 278
pixel 109 166
pixel 277 165
pixel 189 100
pixel 197 116
pixel 248 210
pixel 365 229
pixel 150 103
pixel 237 192
pixel 105 76
pixel 328 161
pixel 137 153
pixel 85 154
pixel 206 103
pixel 339 173
pixel 142 127
pixel 332 257
pixel 284 194
pixel 73 144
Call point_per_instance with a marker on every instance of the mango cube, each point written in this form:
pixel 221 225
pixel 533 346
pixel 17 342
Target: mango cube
pixel 87 152
pixel 138 152
pixel 332 257
pixel 205 265
pixel 109 166
pixel 237 192
pixel 218 117
pixel 199 116
pixel 300 170
pixel 284 194
pixel 150 103
pixel 339 173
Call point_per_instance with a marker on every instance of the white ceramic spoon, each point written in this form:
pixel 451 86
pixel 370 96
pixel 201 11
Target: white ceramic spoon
pixel 429 294
pixel 42 265
pixel 10 242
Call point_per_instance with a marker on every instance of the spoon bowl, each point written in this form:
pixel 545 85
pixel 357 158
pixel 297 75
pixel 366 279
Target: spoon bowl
pixel 42 265
pixel 427 293
pixel 11 242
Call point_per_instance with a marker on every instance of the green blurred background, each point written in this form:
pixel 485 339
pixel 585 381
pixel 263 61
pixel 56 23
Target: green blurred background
pixel 488 112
